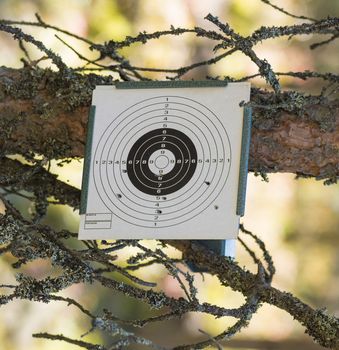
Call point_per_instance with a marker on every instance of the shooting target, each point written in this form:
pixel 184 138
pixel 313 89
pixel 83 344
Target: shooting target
pixel 157 163
pixel 162 161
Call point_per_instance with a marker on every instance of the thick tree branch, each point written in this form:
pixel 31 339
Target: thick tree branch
pixel 42 112
pixel 17 176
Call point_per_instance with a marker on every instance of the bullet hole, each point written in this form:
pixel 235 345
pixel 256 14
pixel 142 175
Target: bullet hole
pixel 159 211
pixel 124 170
pixel 207 183
pixel 119 195
pixel 216 207
pixel 164 198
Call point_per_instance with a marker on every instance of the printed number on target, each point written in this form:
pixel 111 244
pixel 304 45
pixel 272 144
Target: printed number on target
pixel 164 161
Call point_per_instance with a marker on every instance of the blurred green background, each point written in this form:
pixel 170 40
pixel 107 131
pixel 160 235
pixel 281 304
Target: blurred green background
pixel 298 219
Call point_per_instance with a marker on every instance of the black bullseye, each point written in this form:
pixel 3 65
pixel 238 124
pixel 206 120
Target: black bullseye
pixel 161 162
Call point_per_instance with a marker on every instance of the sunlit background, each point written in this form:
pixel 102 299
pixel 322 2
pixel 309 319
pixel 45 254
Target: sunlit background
pixel 298 219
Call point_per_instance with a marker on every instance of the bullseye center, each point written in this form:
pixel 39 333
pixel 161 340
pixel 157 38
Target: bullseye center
pixel 161 162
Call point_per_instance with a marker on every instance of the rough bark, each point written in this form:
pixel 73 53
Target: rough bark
pixel 44 113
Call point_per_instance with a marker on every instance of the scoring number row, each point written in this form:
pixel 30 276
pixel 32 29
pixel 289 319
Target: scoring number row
pixel 150 161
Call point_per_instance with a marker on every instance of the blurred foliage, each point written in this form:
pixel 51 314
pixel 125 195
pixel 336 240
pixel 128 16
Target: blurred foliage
pixel 312 234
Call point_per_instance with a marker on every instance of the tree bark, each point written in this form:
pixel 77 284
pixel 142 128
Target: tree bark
pixel 45 113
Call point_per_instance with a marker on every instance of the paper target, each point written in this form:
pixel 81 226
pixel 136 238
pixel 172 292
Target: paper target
pixel 158 164
pixel 162 161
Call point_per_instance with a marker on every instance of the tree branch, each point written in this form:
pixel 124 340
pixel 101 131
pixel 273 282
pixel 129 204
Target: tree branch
pixel 42 112
pixel 17 176
pixel 322 327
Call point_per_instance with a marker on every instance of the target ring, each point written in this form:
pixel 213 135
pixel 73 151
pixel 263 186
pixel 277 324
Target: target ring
pixel 148 174
pixel 162 161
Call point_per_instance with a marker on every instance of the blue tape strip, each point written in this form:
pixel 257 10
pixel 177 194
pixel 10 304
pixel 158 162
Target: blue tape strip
pixel 87 160
pixel 245 150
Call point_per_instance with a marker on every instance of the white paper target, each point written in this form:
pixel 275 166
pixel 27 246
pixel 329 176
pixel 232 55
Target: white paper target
pixel 164 163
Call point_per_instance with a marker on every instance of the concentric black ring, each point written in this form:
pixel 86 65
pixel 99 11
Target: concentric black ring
pixel 163 178
pixel 139 155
